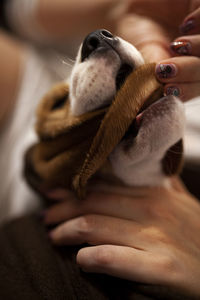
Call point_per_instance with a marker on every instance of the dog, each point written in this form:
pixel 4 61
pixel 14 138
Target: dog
pixel 102 65
pixel 147 151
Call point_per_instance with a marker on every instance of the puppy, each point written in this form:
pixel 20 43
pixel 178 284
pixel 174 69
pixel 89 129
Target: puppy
pixel 72 146
pixel 102 65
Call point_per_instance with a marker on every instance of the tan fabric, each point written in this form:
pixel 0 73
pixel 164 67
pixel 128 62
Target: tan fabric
pixel 72 149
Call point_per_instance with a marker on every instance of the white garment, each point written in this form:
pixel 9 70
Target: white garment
pixel 192 134
pixel 18 134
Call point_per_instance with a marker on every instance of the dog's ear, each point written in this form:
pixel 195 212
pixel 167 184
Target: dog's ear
pixel 54 116
pixel 64 141
pixel 52 111
pixel 172 162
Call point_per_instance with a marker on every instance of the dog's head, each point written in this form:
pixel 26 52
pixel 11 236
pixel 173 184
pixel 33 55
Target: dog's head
pixel 103 63
pixel 104 111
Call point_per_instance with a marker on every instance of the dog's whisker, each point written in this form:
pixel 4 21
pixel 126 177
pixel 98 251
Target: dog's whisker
pixel 72 60
pixel 66 63
pixel 66 60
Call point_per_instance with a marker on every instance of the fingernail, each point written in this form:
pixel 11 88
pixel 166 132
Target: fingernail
pixel 183 48
pixel 172 90
pixel 187 26
pixel 166 70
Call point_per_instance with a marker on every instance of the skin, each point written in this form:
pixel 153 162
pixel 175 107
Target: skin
pixel 150 234
pixel 11 58
pixel 143 234
pixel 137 21
pixel 158 226
pixel 162 29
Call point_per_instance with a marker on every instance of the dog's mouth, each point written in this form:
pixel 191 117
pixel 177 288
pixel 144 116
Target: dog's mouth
pixel 122 74
pixel 136 125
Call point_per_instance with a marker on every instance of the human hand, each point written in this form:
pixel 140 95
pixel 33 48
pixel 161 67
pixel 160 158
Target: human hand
pixel 152 24
pixel 150 235
pixel 152 33
pixel 181 75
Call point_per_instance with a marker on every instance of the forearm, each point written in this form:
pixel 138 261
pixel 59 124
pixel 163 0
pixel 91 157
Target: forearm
pixel 73 17
pixel 10 66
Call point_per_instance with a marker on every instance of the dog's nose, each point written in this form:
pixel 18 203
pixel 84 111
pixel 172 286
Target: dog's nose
pixel 97 40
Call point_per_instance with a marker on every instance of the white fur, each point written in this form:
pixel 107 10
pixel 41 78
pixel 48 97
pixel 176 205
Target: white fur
pixel 92 85
pixel 92 82
pixel 133 167
pixel 162 126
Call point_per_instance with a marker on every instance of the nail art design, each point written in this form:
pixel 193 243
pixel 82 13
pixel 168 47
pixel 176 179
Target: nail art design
pixel 187 26
pixel 166 70
pixel 172 90
pixel 181 47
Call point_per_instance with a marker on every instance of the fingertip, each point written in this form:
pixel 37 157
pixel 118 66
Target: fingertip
pixel 51 236
pixel 165 70
pixel 172 91
pixel 181 47
pixel 85 260
pixel 187 26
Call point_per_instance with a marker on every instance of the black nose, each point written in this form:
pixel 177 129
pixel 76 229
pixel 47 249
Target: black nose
pixel 97 40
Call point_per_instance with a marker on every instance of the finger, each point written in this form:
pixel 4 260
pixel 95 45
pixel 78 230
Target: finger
pixel 179 69
pixel 128 263
pixel 121 206
pixel 191 24
pixel 59 194
pixel 98 203
pixel 185 91
pixel 89 229
pixel 187 45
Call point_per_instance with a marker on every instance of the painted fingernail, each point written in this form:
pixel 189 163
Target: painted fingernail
pixel 187 26
pixel 166 70
pixel 172 90
pixel 183 48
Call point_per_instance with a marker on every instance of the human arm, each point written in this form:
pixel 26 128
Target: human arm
pixel 11 60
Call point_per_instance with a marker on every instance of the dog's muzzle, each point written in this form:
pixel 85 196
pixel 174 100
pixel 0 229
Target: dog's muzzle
pixel 98 41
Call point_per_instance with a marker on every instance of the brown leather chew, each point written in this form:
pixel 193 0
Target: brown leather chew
pixel 72 149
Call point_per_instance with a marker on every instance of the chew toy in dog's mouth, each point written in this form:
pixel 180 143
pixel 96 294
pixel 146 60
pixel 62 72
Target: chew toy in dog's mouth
pixel 150 104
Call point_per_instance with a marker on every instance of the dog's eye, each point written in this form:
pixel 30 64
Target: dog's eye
pixel 59 103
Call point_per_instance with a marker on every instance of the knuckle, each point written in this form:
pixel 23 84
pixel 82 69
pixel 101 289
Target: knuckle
pixel 104 256
pixel 169 265
pixel 85 225
pixel 157 235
